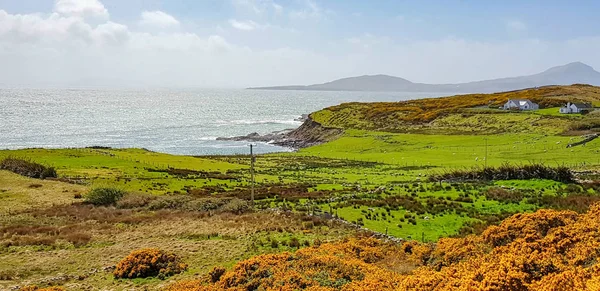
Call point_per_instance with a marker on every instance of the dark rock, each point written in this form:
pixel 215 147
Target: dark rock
pixel 310 133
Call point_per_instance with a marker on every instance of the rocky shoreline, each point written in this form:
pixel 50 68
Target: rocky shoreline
pixel 310 133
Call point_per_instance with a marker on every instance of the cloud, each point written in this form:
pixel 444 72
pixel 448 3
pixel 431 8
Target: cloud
pixel 40 29
pixel 310 10
pixel 158 19
pixel 278 8
pixel 64 49
pixel 111 33
pixel 81 8
pixel 516 25
pixel 258 7
pixel 243 25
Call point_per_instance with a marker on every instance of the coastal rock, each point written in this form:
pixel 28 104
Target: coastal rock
pixel 256 137
pixel 310 133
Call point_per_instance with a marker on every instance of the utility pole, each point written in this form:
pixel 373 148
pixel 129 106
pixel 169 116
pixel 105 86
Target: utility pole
pixel 486 151
pixel 252 175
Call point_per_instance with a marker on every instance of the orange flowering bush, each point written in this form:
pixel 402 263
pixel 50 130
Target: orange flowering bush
pixel 545 250
pixel 149 263
pixel 36 288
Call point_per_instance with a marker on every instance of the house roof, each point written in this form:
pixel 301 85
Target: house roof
pixel 520 102
pixel 582 105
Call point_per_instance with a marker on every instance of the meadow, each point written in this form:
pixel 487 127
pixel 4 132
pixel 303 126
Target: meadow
pixel 369 180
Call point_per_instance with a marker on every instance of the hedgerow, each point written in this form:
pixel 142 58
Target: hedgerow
pixel 27 168
pixel 508 172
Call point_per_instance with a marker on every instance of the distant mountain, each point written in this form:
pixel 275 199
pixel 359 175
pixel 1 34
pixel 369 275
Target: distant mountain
pixel 568 74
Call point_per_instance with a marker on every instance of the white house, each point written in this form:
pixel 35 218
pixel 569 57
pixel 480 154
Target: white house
pixel 520 104
pixel 576 108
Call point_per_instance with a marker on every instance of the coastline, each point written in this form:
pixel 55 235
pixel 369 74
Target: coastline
pixel 310 133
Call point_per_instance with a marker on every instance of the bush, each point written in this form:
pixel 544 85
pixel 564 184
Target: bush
pixel 508 172
pixel 149 263
pixel 104 196
pixel 216 273
pixel 27 168
pixel 138 200
pixel 36 288
pixel 274 244
pixel 237 206
pixel 294 243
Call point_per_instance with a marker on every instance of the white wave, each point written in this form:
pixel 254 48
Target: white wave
pixel 257 122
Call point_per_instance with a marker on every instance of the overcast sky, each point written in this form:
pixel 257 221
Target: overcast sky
pixel 240 43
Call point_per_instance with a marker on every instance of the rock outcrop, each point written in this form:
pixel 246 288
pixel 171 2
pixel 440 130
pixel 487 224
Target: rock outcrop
pixel 310 133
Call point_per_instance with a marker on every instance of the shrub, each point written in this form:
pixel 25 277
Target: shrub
pixel 216 273
pixel 48 173
pixel 502 195
pixel 274 243
pixel 130 201
pixel 149 263
pixel 27 168
pixel 36 288
pixel 509 172
pixel 237 206
pixel 294 243
pixel 104 196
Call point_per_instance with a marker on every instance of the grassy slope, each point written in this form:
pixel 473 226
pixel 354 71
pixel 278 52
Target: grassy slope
pixel 19 193
pixel 114 233
pixel 445 151
pixel 455 114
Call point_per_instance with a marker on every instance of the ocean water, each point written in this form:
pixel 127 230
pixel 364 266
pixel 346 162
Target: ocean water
pixel 169 121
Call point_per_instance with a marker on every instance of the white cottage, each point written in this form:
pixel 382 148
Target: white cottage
pixel 576 108
pixel 520 104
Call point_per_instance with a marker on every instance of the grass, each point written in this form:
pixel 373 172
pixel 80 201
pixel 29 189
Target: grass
pixel 18 193
pixel 375 175
pixel 443 151
pixel 202 240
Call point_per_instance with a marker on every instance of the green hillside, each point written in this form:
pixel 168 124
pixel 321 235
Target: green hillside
pixel 465 114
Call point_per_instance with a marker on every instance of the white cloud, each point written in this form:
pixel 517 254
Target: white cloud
pixel 516 25
pixel 64 49
pixel 111 33
pixel 310 10
pixel 158 19
pixel 258 7
pixel 81 8
pixel 37 28
pixel 278 8
pixel 243 25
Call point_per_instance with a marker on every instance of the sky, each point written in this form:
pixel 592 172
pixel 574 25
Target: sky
pixel 242 43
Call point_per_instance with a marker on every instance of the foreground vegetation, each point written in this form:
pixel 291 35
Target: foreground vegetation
pixel 431 179
pixel 545 250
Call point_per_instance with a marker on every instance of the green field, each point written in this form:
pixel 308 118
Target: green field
pixel 373 178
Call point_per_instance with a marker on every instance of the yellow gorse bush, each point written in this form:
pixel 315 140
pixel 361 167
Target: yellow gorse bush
pixel 545 250
pixel 149 263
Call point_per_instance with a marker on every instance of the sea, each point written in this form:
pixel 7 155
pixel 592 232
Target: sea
pixel 175 121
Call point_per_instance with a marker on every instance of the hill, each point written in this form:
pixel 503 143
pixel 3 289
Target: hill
pixel 572 73
pixel 477 112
